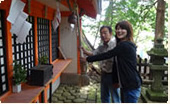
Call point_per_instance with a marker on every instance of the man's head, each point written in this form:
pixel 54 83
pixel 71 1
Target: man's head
pixel 106 33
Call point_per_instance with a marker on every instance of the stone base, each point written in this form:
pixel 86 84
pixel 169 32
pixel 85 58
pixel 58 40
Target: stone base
pixel 156 96
pixel 75 79
pixel 85 80
pixel 148 96
pixel 70 78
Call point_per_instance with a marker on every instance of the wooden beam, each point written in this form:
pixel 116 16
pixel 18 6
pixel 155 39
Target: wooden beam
pixel 65 13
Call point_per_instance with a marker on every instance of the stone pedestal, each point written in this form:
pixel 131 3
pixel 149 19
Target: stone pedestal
pixel 156 91
pixel 156 96
pixel 157 67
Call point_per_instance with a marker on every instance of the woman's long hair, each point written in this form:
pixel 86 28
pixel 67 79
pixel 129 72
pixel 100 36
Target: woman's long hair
pixel 125 25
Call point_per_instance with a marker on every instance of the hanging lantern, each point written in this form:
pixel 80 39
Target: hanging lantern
pixel 72 18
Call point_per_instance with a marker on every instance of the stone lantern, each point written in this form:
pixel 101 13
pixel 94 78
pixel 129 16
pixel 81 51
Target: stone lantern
pixel 157 67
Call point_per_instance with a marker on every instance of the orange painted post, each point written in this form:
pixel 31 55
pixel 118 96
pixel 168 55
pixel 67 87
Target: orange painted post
pixel 36 40
pixel 45 94
pixel 40 98
pixel 56 77
pixel 8 47
pixel 50 43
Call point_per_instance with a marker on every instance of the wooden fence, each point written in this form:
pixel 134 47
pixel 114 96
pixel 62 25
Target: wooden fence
pixel 144 70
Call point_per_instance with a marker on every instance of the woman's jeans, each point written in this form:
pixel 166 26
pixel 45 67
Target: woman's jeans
pixel 130 96
pixel 108 92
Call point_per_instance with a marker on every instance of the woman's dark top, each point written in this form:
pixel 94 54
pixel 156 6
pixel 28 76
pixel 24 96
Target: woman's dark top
pixel 127 64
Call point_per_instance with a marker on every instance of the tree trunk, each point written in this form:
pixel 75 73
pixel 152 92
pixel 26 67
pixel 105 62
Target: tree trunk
pixel 160 19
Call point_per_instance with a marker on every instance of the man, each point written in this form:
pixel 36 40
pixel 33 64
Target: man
pixel 107 79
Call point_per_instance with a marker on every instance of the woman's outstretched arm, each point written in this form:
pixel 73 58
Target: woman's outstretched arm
pixel 114 52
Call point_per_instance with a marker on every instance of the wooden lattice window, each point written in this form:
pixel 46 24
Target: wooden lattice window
pixel 24 53
pixel 43 37
pixel 3 66
pixel 55 44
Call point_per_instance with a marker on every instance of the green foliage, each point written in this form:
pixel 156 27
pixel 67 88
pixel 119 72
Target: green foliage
pixel 140 13
pixel 20 73
pixel 43 59
pixel 141 16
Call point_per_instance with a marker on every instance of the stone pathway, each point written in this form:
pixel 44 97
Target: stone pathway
pixel 75 94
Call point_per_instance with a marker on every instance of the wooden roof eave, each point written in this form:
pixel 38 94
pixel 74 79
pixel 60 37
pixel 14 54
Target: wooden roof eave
pixel 90 7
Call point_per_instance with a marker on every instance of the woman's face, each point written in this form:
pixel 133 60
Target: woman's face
pixel 121 33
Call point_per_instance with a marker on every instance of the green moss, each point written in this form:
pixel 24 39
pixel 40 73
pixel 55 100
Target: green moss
pixel 158 52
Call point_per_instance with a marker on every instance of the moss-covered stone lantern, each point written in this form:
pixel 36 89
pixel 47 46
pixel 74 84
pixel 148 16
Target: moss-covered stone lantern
pixel 157 67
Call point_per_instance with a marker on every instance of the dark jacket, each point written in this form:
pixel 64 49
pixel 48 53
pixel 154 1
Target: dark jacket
pixel 127 64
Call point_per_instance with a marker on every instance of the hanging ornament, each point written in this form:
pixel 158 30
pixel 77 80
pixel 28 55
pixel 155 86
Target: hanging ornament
pixel 72 18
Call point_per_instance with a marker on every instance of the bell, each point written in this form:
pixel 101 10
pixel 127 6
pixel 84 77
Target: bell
pixel 72 18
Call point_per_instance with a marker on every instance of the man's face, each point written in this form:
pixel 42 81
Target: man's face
pixel 105 35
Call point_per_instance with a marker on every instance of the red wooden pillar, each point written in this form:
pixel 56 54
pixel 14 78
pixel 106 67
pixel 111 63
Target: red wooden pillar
pixel 50 43
pixel 36 41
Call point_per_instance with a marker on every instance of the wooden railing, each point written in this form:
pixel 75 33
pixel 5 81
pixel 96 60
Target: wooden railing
pixel 144 70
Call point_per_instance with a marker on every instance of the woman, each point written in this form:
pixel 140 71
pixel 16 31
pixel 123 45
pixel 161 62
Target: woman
pixel 126 63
